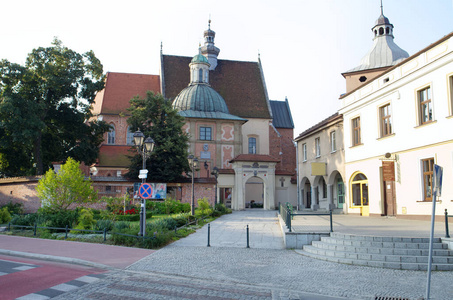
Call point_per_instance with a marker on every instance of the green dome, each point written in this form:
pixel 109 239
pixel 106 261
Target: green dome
pixel 200 97
pixel 199 58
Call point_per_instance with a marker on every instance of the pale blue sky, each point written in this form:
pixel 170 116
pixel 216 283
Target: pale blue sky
pixel 304 45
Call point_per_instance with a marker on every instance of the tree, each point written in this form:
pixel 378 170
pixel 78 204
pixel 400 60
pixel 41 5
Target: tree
pixel 45 110
pixel 58 191
pixel 156 117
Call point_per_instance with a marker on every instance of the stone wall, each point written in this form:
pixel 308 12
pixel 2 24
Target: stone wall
pixel 20 190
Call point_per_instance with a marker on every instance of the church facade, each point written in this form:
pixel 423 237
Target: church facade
pixel 231 123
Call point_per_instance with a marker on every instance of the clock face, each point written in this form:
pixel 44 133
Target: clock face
pixel 205 147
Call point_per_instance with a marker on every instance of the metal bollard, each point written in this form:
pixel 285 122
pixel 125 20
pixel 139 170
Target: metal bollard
pixel 209 233
pixel 248 239
pixel 447 233
pixel 34 231
pixel 66 235
pixel 105 234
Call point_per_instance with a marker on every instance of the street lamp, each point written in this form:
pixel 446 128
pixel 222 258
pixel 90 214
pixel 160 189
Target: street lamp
pixel 145 147
pixel 215 172
pixel 193 162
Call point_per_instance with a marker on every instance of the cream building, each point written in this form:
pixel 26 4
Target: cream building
pixel 321 166
pixel 397 125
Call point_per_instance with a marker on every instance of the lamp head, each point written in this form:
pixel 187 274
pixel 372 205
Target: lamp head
pixel 138 138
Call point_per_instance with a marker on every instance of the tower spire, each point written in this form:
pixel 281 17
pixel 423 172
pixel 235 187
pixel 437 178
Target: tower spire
pixel 209 50
pixel 382 9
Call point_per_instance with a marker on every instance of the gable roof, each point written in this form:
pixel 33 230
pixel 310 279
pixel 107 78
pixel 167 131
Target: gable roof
pixel 122 87
pixel 281 114
pixel 240 83
pixel 336 117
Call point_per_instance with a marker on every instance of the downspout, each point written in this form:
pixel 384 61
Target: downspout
pixel 297 173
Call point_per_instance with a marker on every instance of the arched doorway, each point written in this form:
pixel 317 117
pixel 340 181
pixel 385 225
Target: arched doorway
pixel 254 193
pixel 359 193
pixel 336 190
pixel 306 193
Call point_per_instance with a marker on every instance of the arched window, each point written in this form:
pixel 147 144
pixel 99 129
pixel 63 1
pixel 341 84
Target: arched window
pixel 387 30
pixel 200 75
pixel 359 190
pixel 381 31
pixel 111 135
pixel 252 145
pixel 130 136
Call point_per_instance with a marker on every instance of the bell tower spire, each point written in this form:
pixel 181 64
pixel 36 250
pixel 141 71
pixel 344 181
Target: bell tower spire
pixel 209 50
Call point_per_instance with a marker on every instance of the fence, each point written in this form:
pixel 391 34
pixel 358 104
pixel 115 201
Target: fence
pixel 447 233
pixel 287 215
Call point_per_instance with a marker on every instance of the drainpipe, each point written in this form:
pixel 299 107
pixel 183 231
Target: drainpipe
pixel 297 174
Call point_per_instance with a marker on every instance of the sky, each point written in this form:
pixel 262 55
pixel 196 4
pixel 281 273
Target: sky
pixel 304 45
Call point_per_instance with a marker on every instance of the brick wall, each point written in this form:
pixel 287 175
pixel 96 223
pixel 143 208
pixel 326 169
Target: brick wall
pixel 201 190
pixel 20 190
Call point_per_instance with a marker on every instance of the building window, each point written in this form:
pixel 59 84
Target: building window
pixel 356 140
pixel 359 190
pixel 206 133
pixel 386 120
pixel 111 135
pixel 318 147
pixel 333 141
pixel 130 136
pixel 428 166
pixel 450 83
pixel 304 152
pixel 252 145
pixel 425 106
pixel 200 75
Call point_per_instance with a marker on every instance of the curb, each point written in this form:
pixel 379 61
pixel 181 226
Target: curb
pixel 59 259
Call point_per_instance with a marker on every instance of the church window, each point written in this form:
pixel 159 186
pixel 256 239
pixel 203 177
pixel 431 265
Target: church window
pixel 200 75
pixel 130 136
pixel 206 133
pixel 111 135
pixel 375 33
pixel 362 78
pixel 252 145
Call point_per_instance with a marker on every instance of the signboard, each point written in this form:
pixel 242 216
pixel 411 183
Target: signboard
pixel 318 169
pixel 388 170
pixel 143 174
pixel 153 190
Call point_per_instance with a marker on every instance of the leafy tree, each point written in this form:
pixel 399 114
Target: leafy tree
pixel 156 118
pixel 58 191
pixel 45 110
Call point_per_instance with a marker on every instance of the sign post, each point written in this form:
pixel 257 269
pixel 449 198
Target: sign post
pixel 146 192
pixel 437 190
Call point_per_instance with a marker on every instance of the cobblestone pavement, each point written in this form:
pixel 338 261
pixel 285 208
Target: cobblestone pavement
pixel 187 269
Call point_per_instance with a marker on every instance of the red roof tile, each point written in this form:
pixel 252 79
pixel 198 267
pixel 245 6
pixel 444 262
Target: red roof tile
pixel 255 158
pixel 120 88
pixel 238 82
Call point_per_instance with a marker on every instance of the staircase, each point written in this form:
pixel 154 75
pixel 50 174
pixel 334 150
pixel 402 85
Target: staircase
pixel 383 252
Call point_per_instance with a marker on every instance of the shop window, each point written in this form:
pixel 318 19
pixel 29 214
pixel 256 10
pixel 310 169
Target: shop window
pixel 428 167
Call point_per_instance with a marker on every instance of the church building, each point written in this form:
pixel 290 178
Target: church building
pixel 231 122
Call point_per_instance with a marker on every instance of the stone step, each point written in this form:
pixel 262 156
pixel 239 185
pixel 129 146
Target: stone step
pixel 369 244
pixel 379 257
pixel 378 264
pixel 345 236
pixel 387 251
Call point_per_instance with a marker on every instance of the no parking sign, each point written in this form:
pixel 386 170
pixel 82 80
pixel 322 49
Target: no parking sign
pixel 145 191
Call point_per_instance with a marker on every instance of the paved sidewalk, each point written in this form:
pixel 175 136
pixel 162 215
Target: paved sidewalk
pixel 231 231
pixel 88 254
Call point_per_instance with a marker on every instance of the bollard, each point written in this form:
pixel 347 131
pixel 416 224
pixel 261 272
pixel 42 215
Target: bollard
pixel 105 234
pixel 66 235
pixel 34 231
pixel 248 239
pixel 209 232
pixel 331 223
pixel 447 234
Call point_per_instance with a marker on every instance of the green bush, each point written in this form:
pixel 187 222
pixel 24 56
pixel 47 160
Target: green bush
pixel 26 220
pixel 203 209
pixel 129 218
pixel 85 220
pixel 101 224
pixel 14 208
pixel 168 206
pixel 125 228
pixel 60 219
pixel 5 216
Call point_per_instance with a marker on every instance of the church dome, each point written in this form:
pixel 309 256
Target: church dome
pixel 200 97
pixel 199 58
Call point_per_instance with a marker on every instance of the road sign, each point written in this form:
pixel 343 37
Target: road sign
pixel 145 191
pixel 143 174
pixel 438 171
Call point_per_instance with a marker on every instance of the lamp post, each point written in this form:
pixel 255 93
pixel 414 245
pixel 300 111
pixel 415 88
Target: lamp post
pixel 206 167
pixel 193 162
pixel 145 147
pixel 215 172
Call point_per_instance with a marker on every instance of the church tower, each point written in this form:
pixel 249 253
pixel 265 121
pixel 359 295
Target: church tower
pixel 383 54
pixel 209 50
